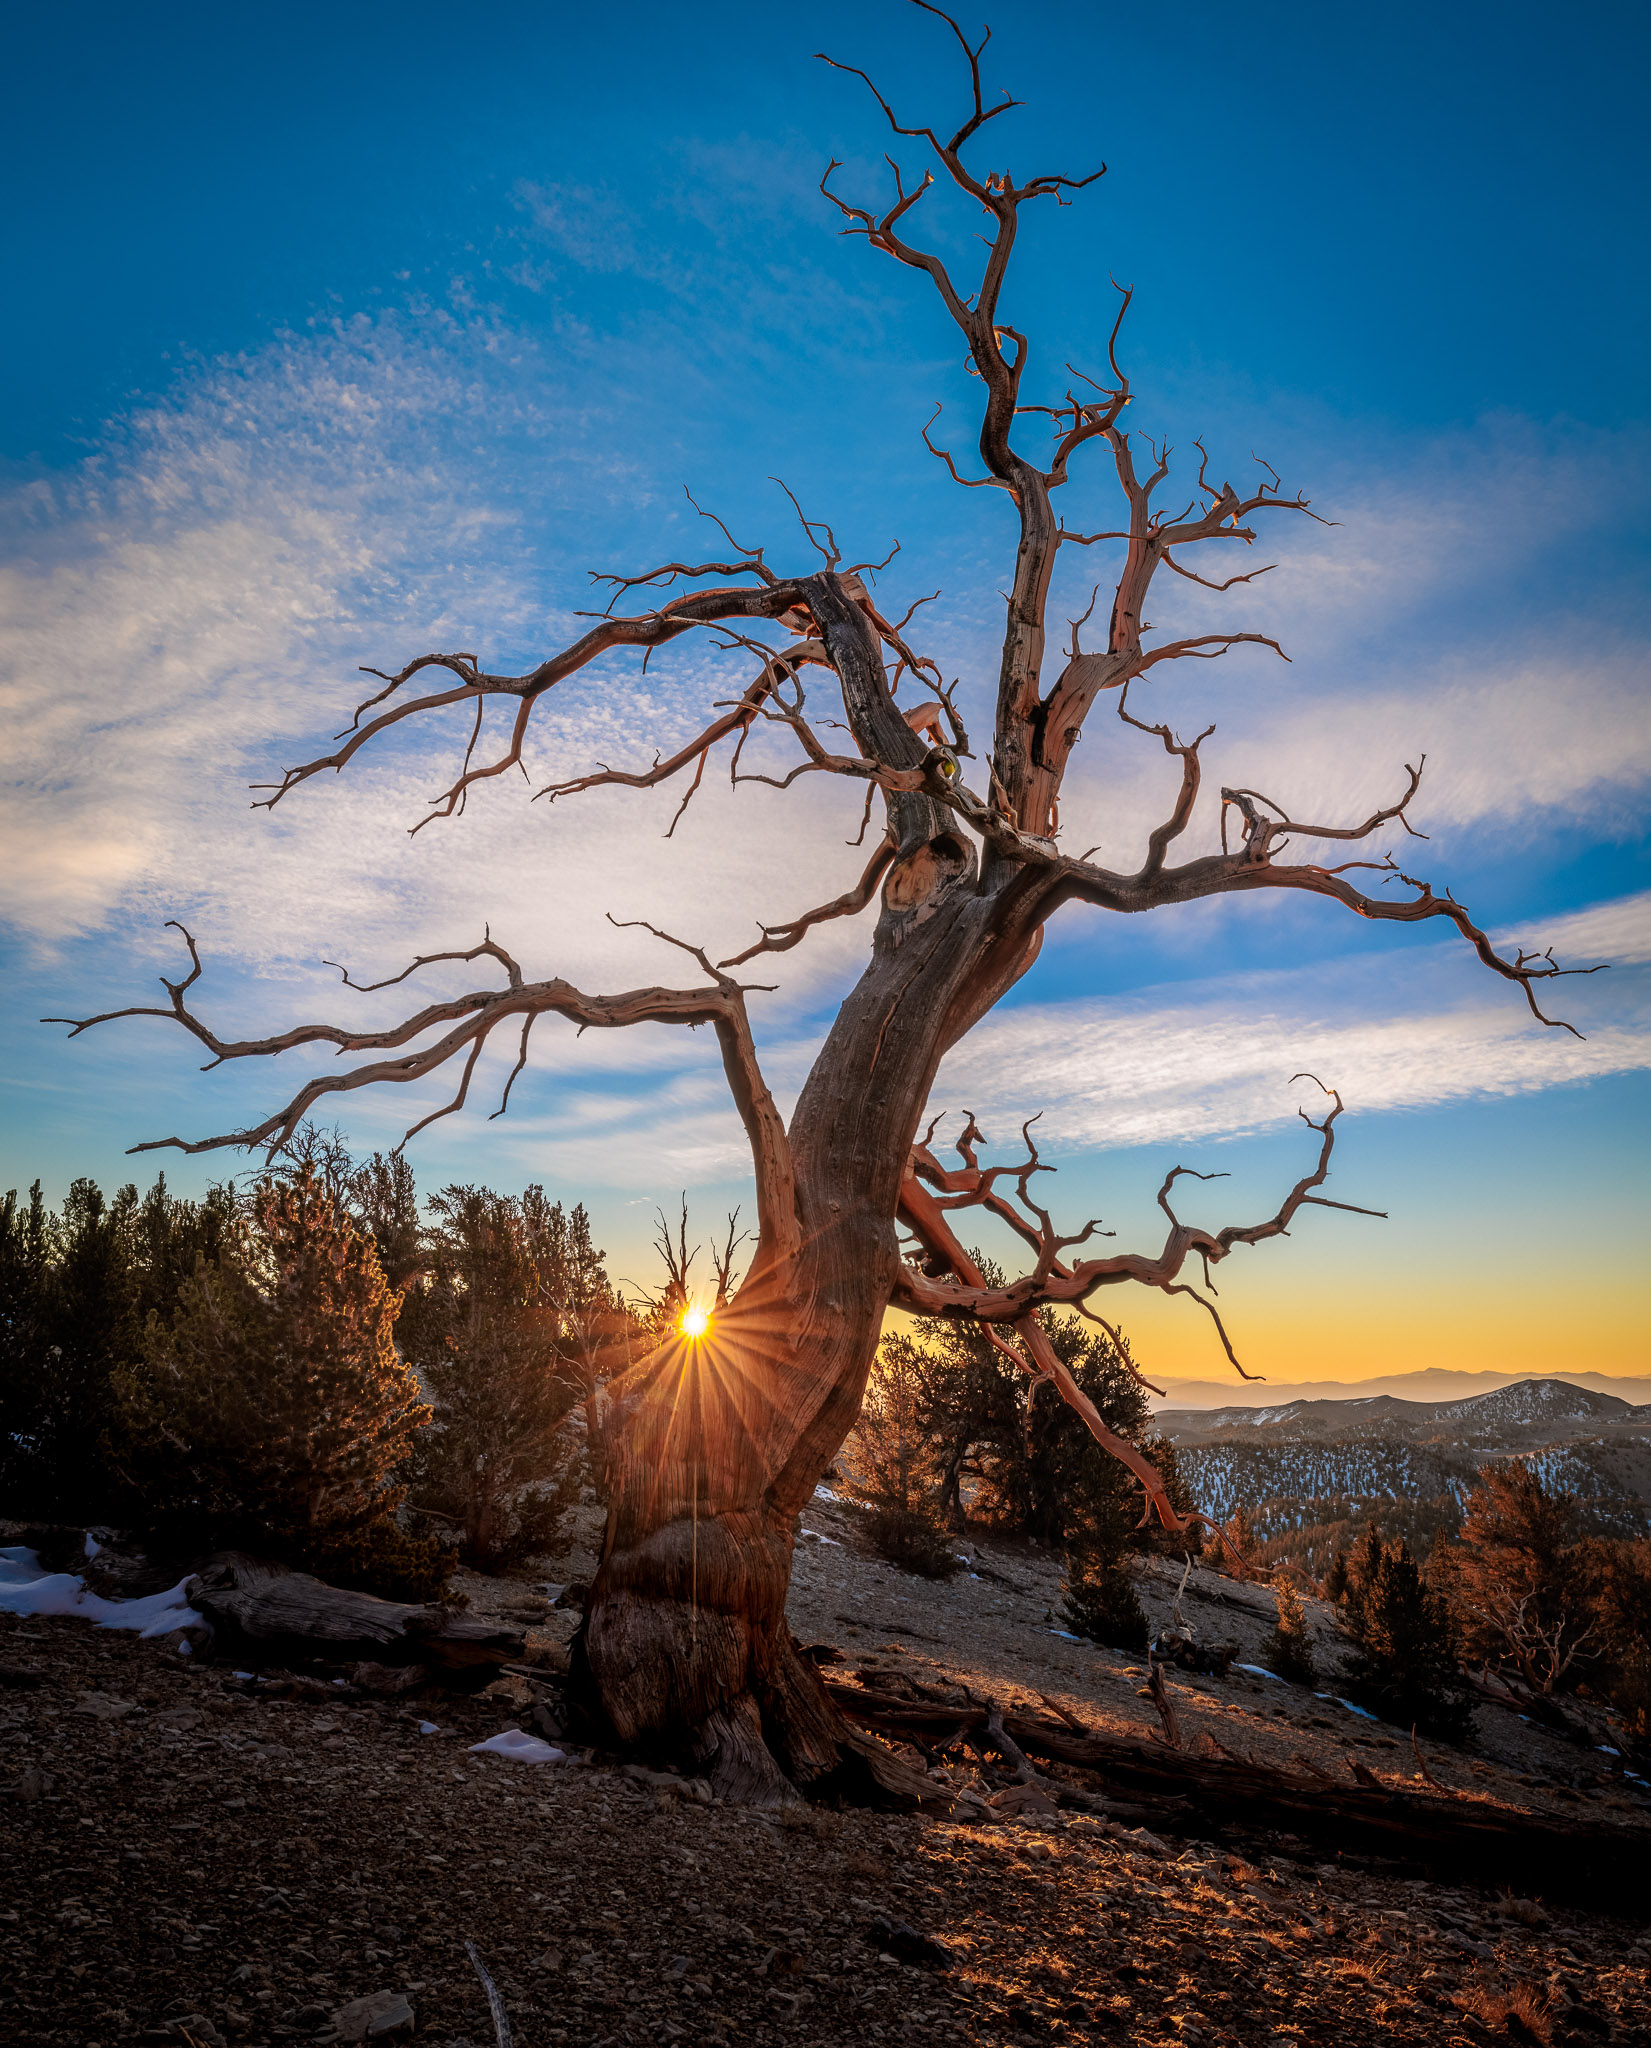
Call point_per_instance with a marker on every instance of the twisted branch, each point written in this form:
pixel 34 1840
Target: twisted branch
pixel 940 1286
pixel 463 1024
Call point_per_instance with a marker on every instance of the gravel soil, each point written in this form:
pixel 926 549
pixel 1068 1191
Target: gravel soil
pixel 186 1859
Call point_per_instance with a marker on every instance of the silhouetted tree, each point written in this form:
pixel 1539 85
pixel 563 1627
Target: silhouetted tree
pixel 1622 1603
pixel 1404 1665
pixel 384 1204
pixel 26 1327
pixel 76 1289
pixel 595 1332
pixel 1098 1596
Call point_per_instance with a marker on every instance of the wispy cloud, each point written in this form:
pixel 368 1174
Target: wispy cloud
pixel 1216 1061
pixel 186 614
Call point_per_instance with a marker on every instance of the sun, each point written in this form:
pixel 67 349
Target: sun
pixel 694 1321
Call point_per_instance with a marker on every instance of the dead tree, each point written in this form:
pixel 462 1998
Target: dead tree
pixel 716 1441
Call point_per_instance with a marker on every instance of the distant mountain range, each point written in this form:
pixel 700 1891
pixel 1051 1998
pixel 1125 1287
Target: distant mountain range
pixel 1435 1384
pixel 1310 1471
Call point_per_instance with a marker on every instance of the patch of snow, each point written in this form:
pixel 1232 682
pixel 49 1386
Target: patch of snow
pixel 25 1589
pixel 1066 1635
pixel 1261 1671
pixel 1605 1749
pixel 824 1493
pixel 524 1748
pixel 243 1674
pixel 818 1538
pixel 92 1546
pixel 428 1728
pixel 1363 1713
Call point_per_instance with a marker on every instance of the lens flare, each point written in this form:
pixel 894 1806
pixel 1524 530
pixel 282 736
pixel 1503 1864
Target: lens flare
pixel 695 1322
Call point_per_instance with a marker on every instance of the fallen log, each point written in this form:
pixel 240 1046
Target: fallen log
pixel 264 1614
pixel 1445 1835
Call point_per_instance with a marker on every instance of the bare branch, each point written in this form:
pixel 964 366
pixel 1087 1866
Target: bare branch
pixel 780 938
pixel 464 1023
pixel 1053 1280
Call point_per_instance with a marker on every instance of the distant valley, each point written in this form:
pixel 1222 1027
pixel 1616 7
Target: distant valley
pixel 1311 1473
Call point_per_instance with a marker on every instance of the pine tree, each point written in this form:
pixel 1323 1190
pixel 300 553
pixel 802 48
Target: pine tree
pixel 95 1330
pixel 969 1397
pixel 1362 1565
pixel 1098 1597
pixel 26 1323
pixel 890 1469
pixel 75 1291
pixel 594 1332
pixel 1622 1576
pixel 1289 1649
pixel 1046 1476
pixel 1403 1666
pixel 486 1334
pixel 270 1410
pixel 1240 1548
pixel 1156 1540
pixel 1521 1581
pixel 384 1205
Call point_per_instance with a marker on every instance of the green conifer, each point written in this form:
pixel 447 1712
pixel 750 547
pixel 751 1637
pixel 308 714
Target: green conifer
pixel 270 1410
pixel 1289 1649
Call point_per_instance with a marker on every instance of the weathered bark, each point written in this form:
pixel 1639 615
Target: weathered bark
pixel 1450 1836
pixel 267 1615
pixel 716 1446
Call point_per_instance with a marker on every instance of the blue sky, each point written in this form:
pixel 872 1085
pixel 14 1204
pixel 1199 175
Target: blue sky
pixel 354 331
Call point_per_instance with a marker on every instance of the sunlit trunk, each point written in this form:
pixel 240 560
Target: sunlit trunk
pixel 715 1446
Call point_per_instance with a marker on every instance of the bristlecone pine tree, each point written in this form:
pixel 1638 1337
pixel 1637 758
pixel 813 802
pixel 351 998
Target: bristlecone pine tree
pixel 483 1337
pixel 271 1410
pixel 1404 1664
pixel 891 1471
pixel 1522 1582
pixel 1289 1649
pixel 714 1446
pixel 76 1290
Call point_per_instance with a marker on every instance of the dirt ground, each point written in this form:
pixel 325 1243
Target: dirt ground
pixel 187 1859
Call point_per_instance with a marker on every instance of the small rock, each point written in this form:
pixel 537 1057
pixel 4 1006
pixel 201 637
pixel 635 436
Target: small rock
pixel 909 1944
pixel 35 1784
pixel 198 2030
pixel 1021 1799
pixel 381 2016
pixel 102 1708
pixel 388 1681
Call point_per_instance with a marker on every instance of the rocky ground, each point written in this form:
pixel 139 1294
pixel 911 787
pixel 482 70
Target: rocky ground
pixel 186 1858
